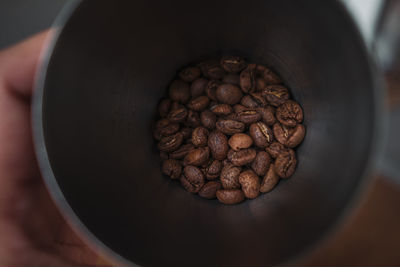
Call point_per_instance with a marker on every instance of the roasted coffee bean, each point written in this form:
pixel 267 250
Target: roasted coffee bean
pixel 197 157
pixel 259 98
pixel 275 149
pixel 228 94
pixel 182 151
pixel 248 78
pixel 213 169
pixel 172 168
pixel 290 137
pixel 239 108
pixel 233 64
pixel 198 87
pixel 240 141
pixel 268 75
pixel 260 84
pixel 211 69
pixel 190 74
pixel 186 132
pixel 285 164
pixel 232 116
pixel 230 176
pixel 276 94
pixel 199 103
pixel 193 179
pixel 249 102
pixel 230 196
pixel 209 190
pixel 221 109
pixel 262 135
pixel 289 113
pixel 248 116
pixel 230 126
pixel 177 115
pixel 164 155
pixel 157 135
pixel 232 79
pixel 270 180
pixel 261 163
pixel 218 144
pixel 267 115
pixel 175 105
pixel 170 143
pixel 211 89
pixel 165 127
pixel 164 107
pixel 200 136
pixel 250 183
pixel 193 119
pixel 242 157
pixel 179 91
pixel 208 119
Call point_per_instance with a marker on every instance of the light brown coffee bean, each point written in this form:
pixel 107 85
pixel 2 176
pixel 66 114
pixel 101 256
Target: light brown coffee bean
pixel 182 151
pixel 165 127
pixel 290 137
pixel 208 119
pixel 248 116
pixel 172 168
pixel 193 179
pixel 170 143
pixel 197 157
pixel 190 74
pixel 209 190
pixel 250 183
pixel 285 164
pixel 289 113
pixel 198 87
pixel 211 89
pixel 199 103
pixel 213 169
pixel 230 196
pixel 262 135
pixel 230 126
pixel 177 115
pixel 179 91
pixel 200 136
pixel 228 94
pixel 233 64
pixel 211 69
pixel 232 79
pixel 239 141
pixel 267 115
pixel 261 163
pixel 270 180
pixel 268 75
pixel 164 106
pixel 230 176
pixel 275 149
pixel 221 109
pixel 248 78
pixel 218 144
pixel 242 157
pixel 276 95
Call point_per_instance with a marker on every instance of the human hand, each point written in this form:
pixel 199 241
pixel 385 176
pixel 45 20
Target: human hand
pixel 32 231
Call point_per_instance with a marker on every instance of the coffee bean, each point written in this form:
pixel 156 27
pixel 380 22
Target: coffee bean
pixel 182 151
pixel 261 163
pixel 275 149
pixel 218 144
pixel 221 109
pixel 267 115
pixel 175 105
pixel 170 143
pixel 165 127
pixel 248 78
pixel 198 87
pixel 190 74
pixel 230 196
pixel 233 64
pixel 164 155
pixel 164 106
pixel 276 95
pixel 228 94
pixel 211 69
pixel 172 168
pixel 260 84
pixel 186 132
pixel 193 119
pixel 232 79
pixel 249 102
pixel 200 136
pixel 259 98
pixel 285 164
pixel 250 183
pixel 179 91
pixel 230 177
pixel 209 190
pixel 197 157
pixel 193 179
pixel 289 113
pixel 239 141
pixel 211 89
pixel 262 135
pixel 248 116
pixel 268 75
pixel 177 115
pixel 232 117
pixel 230 126
pixel 213 169
pixel 242 157
pixel 290 137
pixel 199 103
pixel 270 180
pixel 208 119
pixel 239 108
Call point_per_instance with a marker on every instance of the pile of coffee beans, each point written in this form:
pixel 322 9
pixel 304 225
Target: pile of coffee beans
pixel 228 130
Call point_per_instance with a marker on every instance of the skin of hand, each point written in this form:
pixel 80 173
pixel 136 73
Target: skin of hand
pixel 32 231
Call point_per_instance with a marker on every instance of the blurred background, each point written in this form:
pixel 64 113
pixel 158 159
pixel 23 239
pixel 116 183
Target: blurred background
pixel 371 237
